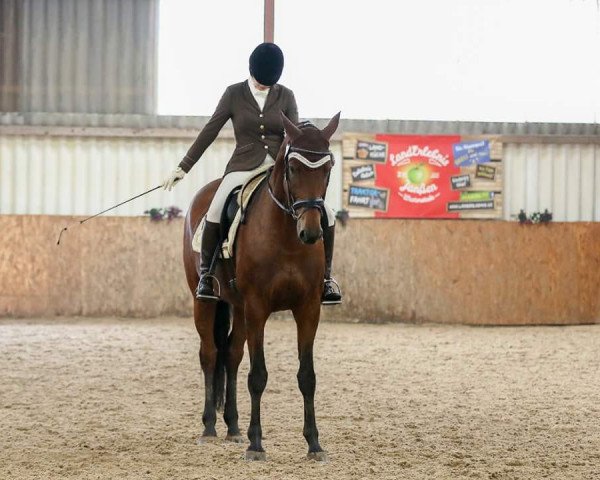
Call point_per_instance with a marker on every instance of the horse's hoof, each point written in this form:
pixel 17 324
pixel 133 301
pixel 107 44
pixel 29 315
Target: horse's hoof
pixel 206 439
pixel 317 456
pixel 252 455
pixel 235 439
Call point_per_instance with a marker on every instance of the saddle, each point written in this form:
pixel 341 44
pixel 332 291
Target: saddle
pixel 234 212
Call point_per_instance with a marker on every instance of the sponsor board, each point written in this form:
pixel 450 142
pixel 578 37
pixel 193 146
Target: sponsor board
pixel 362 172
pixel 368 197
pixel 371 151
pixel 470 153
pixel 460 181
pixel 475 205
pixel 476 196
pixel 422 176
pixel 486 172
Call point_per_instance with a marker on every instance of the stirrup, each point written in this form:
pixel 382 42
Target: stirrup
pixel 216 296
pixel 337 301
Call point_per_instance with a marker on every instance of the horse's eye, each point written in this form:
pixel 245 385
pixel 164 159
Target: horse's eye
pixel 293 169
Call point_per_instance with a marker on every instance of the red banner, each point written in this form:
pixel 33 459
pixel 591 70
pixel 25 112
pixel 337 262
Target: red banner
pixel 422 176
pixel 417 174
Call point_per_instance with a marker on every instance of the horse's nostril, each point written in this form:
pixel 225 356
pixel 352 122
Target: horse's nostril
pixel 309 237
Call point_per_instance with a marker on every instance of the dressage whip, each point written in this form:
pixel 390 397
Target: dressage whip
pixel 104 211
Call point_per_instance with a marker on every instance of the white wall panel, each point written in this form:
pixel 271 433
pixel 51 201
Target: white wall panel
pixel 84 175
pixel 514 198
pixel 21 176
pixel 573 192
pixel 596 200
pixel 531 180
pixel 545 175
pixel 559 183
pixel 586 199
pixel 6 177
pixel 562 178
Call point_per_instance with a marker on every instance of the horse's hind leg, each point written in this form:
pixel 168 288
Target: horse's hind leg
pixel 235 352
pixel 307 321
pixel 256 317
pixel 204 318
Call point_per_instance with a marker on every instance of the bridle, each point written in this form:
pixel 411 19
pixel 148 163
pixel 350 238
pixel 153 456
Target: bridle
pixel 294 205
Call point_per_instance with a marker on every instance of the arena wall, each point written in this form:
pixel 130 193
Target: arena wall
pixel 471 272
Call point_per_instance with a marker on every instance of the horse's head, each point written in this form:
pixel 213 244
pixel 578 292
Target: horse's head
pixel 306 162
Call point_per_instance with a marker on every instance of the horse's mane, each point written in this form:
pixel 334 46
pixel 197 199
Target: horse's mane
pixel 306 124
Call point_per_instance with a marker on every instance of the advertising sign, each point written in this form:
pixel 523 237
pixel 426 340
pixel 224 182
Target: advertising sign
pixel 368 197
pixel 422 176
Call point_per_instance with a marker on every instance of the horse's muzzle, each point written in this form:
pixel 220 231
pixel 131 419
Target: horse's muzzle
pixel 308 226
pixel 310 236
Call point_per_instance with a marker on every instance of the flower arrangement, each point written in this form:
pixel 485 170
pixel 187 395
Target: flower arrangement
pixel 535 217
pixel 158 214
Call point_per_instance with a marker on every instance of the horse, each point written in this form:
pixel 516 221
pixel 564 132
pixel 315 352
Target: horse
pixel 278 265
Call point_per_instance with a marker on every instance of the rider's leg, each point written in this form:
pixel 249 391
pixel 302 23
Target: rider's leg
pixel 210 243
pixel 211 233
pixel 331 292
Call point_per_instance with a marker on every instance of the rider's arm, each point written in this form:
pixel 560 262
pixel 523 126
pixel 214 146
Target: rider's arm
pixel 291 110
pixel 209 132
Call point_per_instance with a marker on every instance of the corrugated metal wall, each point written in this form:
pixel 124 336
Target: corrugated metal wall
pixel 10 18
pixel 84 175
pixel 97 56
pixel 404 127
pixel 563 178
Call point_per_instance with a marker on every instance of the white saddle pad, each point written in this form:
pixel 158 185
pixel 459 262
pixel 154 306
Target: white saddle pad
pixel 245 194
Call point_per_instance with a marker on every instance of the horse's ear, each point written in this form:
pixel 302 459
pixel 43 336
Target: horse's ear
pixel 331 127
pixel 292 130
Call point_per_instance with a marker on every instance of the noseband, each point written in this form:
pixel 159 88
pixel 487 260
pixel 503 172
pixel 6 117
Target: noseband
pixel 294 205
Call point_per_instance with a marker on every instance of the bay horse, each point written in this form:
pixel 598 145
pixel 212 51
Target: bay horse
pixel 279 265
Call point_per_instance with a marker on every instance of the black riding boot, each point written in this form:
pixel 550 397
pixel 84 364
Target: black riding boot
pixel 210 242
pixel 332 294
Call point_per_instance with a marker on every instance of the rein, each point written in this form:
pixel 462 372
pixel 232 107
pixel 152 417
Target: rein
pixel 293 205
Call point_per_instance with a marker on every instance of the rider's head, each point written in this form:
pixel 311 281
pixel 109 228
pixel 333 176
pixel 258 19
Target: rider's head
pixel 266 64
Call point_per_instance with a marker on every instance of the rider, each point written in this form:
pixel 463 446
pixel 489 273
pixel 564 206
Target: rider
pixel 254 107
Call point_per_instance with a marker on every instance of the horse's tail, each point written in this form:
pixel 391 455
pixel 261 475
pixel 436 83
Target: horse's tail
pixel 221 329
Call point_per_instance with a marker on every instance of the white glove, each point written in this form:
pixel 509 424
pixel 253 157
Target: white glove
pixel 172 179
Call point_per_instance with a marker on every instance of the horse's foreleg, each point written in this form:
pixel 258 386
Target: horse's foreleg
pixel 307 321
pixel 204 318
pixel 256 318
pixel 235 353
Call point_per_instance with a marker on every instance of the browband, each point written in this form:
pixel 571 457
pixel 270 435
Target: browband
pixel 319 163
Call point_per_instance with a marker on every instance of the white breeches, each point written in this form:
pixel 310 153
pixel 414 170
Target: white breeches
pixel 236 179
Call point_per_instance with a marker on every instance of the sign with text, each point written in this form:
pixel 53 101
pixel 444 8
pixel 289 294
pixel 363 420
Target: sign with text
pixel 422 176
pixel 472 196
pixel 476 205
pixel 460 181
pixel 469 153
pixel 486 172
pixel 362 172
pixel 373 151
pixel 368 197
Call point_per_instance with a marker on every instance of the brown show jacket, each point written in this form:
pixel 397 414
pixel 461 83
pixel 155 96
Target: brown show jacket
pixel 256 132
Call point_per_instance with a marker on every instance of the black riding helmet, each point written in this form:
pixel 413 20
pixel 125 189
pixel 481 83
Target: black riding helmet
pixel 266 64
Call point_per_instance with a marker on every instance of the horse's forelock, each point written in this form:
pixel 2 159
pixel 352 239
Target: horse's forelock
pixel 312 138
pixel 306 126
